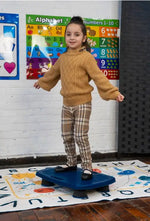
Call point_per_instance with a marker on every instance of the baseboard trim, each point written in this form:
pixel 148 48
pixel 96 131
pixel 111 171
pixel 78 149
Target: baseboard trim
pixel 61 159
pixel 51 160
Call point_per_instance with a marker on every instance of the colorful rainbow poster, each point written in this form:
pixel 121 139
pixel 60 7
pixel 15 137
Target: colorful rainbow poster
pixel 45 42
pixel 9 46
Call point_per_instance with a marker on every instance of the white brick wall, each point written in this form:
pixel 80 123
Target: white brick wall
pixel 30 118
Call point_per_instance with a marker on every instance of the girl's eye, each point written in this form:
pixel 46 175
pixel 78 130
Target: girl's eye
pixel 75 34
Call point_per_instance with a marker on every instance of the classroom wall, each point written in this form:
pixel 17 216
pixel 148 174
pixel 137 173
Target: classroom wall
pixel 29 118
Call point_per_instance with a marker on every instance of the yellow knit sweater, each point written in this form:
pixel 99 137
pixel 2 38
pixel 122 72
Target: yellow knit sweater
pixel 75 69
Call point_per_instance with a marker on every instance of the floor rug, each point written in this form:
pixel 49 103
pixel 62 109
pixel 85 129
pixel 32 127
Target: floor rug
pixel 21 189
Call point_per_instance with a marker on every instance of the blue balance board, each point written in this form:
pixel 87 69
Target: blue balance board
pixel 72 179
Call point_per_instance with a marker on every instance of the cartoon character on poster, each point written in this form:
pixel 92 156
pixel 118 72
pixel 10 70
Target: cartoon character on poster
pixel 9 56
pixel 38 59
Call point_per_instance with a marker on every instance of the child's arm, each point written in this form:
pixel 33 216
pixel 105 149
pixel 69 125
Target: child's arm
pixel 106 90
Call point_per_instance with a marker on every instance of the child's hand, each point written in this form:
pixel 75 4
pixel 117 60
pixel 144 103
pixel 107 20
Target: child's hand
pixel 120 98
pixel 36 85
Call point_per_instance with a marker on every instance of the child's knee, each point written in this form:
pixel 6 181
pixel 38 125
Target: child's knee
pixel 67 138
pixel 81 139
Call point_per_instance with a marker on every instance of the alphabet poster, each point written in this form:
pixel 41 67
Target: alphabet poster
pixel 9 48
pixel 21 189
pixel 45 42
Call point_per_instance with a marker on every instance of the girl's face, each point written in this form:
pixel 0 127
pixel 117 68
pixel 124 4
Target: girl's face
pixel 74 36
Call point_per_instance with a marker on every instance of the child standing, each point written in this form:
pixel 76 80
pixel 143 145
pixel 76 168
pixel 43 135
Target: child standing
pixel 76 68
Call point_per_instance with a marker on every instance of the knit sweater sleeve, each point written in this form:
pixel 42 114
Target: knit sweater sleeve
pixel 106 90
pixel 51 77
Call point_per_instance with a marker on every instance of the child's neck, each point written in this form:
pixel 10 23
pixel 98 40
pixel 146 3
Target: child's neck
pixel 76 49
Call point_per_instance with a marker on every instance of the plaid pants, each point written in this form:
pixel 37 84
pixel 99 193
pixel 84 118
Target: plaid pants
pixel 75 127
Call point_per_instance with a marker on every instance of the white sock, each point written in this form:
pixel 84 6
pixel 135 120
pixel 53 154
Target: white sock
pixel 64 166
pixel 87 171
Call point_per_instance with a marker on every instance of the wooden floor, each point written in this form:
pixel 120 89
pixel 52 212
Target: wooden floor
pixel 116 210
pixel 125 210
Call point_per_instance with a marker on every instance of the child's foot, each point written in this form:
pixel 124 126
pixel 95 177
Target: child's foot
pixel 86 175
pixel 65 168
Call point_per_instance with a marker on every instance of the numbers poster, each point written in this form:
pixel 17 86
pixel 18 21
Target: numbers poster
pixel 9 49
pixel 45 42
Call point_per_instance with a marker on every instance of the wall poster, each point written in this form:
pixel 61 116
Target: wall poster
pixel 45 43
pixel 9 46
